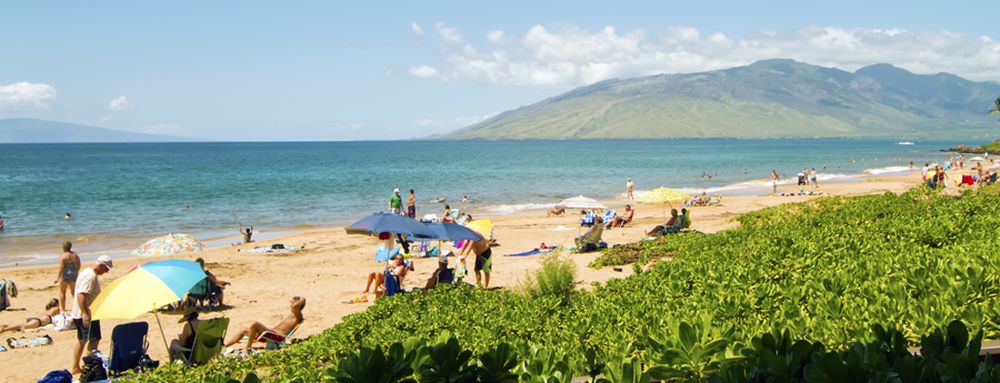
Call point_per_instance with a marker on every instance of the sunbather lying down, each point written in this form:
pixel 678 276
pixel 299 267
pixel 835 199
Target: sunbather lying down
pixel 287 324
pixel 51 310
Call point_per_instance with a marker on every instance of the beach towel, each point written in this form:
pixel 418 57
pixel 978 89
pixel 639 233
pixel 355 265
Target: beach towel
pixel 525 254
pixel 59 376
pixel 967 179
pixel 269 249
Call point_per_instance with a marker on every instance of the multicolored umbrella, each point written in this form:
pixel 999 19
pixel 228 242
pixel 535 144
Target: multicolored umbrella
pixel 169 244
pixel 146 288
pixel 663 195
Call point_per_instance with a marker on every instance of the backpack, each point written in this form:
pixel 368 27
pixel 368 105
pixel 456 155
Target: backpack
pixel 59 376
pixel 8 290
pixel 93 369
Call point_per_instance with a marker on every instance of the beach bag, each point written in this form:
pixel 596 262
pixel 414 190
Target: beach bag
pixel 59 376
pixel 277 246
pixel 93 369
pixel 8 290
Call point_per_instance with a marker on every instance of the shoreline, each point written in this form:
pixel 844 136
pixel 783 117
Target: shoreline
pixel 113 245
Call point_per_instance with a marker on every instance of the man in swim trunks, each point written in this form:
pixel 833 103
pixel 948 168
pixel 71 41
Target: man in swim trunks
pixel 395 203
pixel 285 327
pixel 484 262
pixel 88 331
pixel 51 309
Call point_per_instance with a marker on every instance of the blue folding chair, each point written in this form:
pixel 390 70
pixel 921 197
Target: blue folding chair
pixel 128 345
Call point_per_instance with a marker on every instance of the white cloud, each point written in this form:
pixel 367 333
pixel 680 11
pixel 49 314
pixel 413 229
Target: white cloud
pixel 26 96
pixel 119 104
pixel 572 56
pixel 449 34
pixel 417 29
pixel 423 71
pixel 496 36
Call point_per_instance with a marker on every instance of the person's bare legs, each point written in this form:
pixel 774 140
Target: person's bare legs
pixel 486 285
pixel 248 332
pixel 254 331
pixel 379 280
pixel 63 286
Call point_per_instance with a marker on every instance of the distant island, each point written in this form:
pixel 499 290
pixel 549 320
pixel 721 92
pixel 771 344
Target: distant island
pixel 991 148
pixel 770 98
pixel 25 130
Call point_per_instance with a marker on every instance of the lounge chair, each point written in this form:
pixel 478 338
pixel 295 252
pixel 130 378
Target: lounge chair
pixel 273 340
pixel 714 200
pixel 208 338
pixel 128 345
pixel 588 219
pixel 200 295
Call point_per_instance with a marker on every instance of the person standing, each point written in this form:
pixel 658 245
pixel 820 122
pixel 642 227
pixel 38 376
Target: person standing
pixel 629 189
pixel 1 224
pixel 484 263
pixel 813 179
pixel 774 181
pixel 411 206
pixel 88 331
pixel 395 203
pixel 69 266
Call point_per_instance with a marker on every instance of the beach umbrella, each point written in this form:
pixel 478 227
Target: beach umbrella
pixel 447 231
pixel 482 226
pixel 147 288
pixel 170 244
pixel 977 158
pixel 663 195
pixel 378 223
pixel 582 202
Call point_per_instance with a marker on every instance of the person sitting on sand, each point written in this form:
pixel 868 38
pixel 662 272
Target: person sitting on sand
pixel 185 340
pixel 46 318
pixel 666 227
pixel 556 210
pixel 591 240
pixel 285 327
pixel 624 219
pixel 398 268
pixel 217 286
pixel 247 233
pixel 699 200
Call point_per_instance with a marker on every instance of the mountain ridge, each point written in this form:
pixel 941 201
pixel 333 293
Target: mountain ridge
pixel 33 131
pixel 769 98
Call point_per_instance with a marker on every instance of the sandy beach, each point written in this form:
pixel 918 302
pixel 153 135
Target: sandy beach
pixel 333 266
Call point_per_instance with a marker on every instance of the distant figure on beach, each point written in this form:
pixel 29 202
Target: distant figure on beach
pixel 465 202
pixel 411 206
pixel 624 219
pixel 590 240
pixel 1 224
pixel 68 216
pixel 287 324
pixel 813 179
pixel 629 189
pixel 51 310
pixel 774 181
pixel 911 165
pixel 484 263
pixel 88 331
pixel 69 267
pixel 247 232
pixel 216 285
pixel 395 202
pixel 446 216
pixel 556 210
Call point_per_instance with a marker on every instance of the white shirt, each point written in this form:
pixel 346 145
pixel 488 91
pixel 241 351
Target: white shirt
pixel 87 284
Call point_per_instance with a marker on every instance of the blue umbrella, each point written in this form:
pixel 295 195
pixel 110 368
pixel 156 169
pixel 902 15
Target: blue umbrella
pixel 390 223
pixel 447 231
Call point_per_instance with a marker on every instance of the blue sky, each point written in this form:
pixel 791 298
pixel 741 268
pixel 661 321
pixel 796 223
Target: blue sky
pixel 364 70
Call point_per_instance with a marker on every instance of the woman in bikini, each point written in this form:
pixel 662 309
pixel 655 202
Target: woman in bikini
pixel 51 309
pixel 69 266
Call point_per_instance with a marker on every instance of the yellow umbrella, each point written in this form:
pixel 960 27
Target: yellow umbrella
pixel 663 195
pixel 482 226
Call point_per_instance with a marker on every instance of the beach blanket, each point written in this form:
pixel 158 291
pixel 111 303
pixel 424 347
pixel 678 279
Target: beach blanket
pixel 534 252
pixel 269 250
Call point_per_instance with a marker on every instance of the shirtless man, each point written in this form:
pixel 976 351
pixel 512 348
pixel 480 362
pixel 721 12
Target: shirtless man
pixel 254 329
pixel 484 264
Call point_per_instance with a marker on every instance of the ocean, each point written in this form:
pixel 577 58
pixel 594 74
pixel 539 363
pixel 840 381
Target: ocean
pixel 121 194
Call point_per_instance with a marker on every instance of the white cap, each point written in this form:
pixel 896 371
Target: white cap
pixel 396 190
pixel 106 261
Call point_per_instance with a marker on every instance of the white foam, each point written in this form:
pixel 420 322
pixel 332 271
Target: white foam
pixel 514 208
pixel 887 170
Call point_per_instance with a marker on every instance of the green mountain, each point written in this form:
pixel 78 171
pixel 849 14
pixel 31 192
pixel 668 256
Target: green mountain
pixel 26 130
pixel 770 98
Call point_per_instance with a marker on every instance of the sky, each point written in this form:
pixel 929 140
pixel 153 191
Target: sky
pixel 324 70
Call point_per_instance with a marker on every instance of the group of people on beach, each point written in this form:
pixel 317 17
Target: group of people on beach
pixel 935 176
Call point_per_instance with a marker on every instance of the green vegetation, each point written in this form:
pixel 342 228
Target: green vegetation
pixel 556 278
pixel 770 98
pixel 816 278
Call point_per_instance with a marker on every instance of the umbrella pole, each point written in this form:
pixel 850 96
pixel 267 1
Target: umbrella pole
pixel 162 336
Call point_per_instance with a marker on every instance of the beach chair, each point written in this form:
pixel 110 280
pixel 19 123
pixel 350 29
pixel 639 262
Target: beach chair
pixel 200 295
pixel 714 200
pixel 392 286
pixel 273 340
pixel 208 338
pixel 128 345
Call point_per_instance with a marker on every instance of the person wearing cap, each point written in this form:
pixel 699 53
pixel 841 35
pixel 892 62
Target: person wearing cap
pixel 185 339
pixel 395 203
pixel 88 286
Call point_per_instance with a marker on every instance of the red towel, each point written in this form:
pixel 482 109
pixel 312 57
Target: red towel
pixel 967 179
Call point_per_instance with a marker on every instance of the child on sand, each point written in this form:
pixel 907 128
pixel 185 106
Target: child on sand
pixel 69 266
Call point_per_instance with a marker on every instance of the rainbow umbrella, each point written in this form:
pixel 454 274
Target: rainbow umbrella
pixel 147 288
pixel 169 244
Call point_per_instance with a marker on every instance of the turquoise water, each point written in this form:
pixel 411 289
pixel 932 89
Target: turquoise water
pixel 120 194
